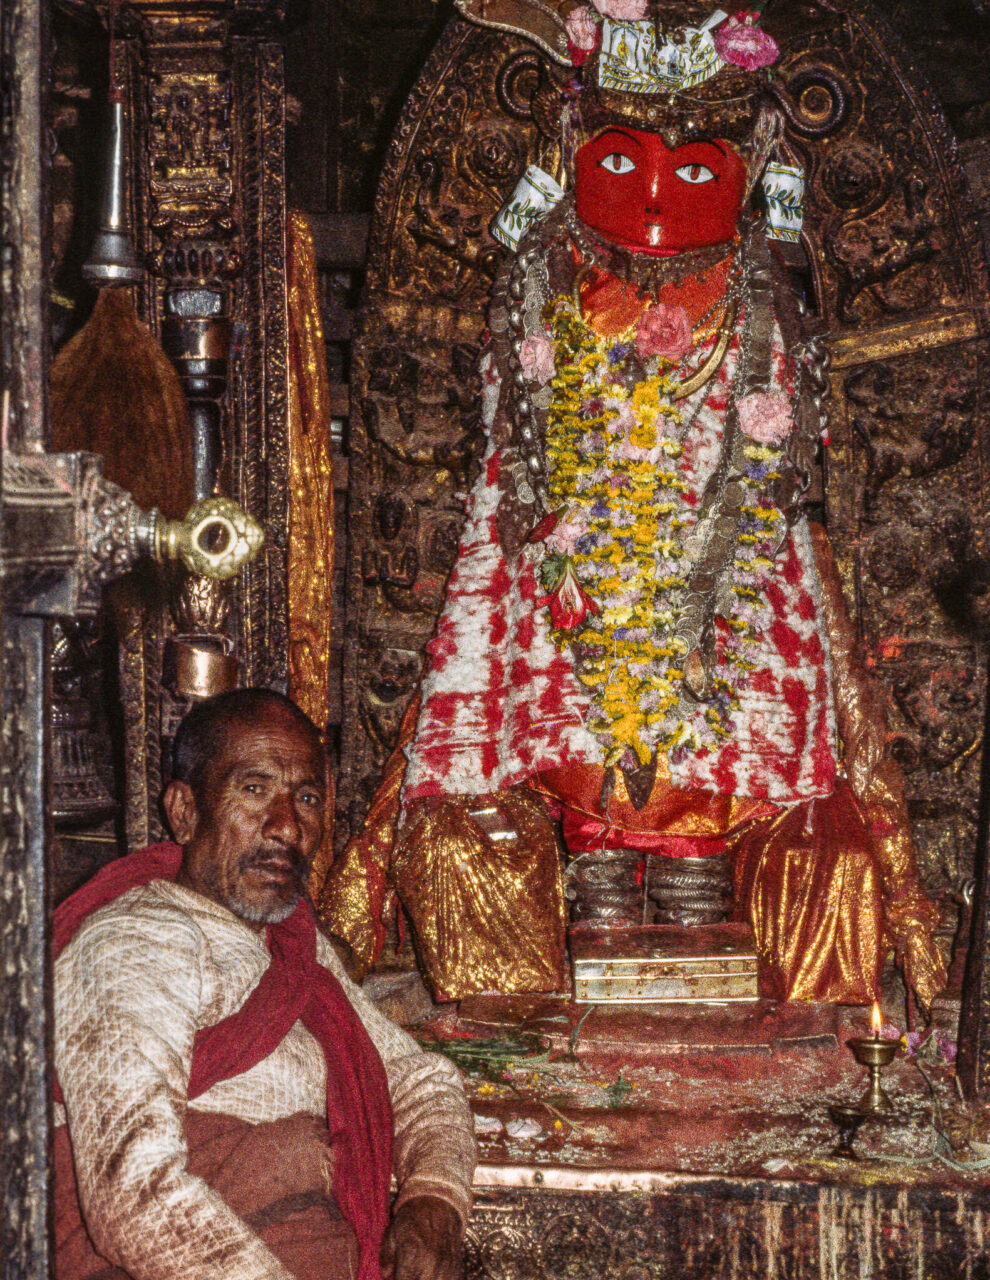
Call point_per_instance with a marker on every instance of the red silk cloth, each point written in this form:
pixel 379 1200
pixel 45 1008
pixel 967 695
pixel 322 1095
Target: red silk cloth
pixel 592 835
pixel 293 987
pixel 674 822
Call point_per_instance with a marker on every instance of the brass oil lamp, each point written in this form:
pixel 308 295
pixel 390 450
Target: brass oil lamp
pixel 874 1053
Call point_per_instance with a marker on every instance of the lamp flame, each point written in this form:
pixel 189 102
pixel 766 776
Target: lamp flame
pixel 876 1021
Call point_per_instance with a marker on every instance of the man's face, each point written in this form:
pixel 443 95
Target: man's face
pixel 638 193
pixel 249 839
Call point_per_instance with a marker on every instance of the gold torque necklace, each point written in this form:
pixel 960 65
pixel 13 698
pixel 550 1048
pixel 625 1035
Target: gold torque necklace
pixel 710 366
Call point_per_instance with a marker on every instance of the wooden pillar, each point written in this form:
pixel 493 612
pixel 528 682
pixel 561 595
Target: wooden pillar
pixel 204 84
pixel 973 1063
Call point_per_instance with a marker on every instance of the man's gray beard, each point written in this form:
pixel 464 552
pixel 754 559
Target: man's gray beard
pixel 255 914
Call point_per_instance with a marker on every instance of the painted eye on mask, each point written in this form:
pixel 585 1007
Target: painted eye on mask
pixel 694 173
pixel 616 162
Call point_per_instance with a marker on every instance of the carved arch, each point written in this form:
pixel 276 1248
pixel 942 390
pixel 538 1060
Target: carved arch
pixel 899 279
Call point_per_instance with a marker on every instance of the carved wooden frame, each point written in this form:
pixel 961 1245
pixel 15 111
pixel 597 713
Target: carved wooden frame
pixel 898 276
pixel 234 51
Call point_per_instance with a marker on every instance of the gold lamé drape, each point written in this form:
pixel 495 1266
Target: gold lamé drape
pixel 828 885
pixel 311 516
pixel 487 914
pixel 356 895
pixel 910 917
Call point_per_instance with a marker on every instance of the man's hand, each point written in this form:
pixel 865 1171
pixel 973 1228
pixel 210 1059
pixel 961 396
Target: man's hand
pixel 424 1242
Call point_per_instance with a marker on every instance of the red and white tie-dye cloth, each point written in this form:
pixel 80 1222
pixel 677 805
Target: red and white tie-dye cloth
pixel 500 701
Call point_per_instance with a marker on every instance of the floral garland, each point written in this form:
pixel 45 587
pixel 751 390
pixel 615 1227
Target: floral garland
pixel 615 567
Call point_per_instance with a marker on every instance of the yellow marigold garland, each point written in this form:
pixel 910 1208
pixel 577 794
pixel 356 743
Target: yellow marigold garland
pixel 612 455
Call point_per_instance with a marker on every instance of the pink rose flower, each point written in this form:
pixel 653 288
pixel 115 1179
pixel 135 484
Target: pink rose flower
pixel 740 42
pixel 582 33
pixel 766 417
pixel 623 10
pixel 664 331
pixel 537 358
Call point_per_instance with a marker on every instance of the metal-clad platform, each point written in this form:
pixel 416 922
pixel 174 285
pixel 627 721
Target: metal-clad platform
pixel 706 964
pixel 646 1142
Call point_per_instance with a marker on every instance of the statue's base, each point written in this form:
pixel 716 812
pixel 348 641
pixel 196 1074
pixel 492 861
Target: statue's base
pixel 640 1141
pixel 740 1041
pixel 664 964
pixel 644 1141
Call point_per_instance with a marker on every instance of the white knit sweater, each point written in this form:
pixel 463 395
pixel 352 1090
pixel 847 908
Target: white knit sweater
pixel 136 983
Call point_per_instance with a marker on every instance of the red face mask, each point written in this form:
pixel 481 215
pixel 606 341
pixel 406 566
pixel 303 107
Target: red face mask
pixel 639 194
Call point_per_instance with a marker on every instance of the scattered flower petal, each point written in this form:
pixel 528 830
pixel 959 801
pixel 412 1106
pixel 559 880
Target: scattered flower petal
pixel 946 1046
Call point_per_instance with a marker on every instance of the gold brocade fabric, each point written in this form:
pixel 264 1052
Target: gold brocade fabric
pixel 355 897
pixel 311 524
pixel 809 884
pixel 909 916
pixel 488 914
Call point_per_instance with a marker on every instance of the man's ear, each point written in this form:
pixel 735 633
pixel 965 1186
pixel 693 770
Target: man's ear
pixel 180 808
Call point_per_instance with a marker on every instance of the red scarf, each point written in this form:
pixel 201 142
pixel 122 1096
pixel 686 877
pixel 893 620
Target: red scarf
pixel 293 987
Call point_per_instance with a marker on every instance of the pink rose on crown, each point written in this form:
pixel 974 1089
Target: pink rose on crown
pixel 536 356
pixel 664 331
pixel 623 10
pixel 582 34
pixel 740 42
pixel 765 416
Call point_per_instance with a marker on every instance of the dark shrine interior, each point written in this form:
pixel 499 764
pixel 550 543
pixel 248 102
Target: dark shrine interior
pixel 615 1139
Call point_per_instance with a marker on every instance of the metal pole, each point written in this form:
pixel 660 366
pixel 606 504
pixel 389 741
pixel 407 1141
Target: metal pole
pixel 25 972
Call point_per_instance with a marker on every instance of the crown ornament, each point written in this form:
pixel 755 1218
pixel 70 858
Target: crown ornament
pixel 648 46
pixel 675 67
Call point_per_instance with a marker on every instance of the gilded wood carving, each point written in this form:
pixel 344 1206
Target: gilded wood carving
pixel 897 277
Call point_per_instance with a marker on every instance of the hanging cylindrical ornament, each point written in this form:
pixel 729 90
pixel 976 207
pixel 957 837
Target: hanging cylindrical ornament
pixel 113 259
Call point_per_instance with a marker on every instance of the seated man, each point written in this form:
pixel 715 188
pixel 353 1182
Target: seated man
pixel 228 1098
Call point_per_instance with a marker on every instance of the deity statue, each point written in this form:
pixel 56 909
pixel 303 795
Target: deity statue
pixel 644 636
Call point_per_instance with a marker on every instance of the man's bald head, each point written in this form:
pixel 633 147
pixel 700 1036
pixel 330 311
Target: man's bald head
pixel 200 739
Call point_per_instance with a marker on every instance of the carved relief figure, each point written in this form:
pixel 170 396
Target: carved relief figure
pixel 643 634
